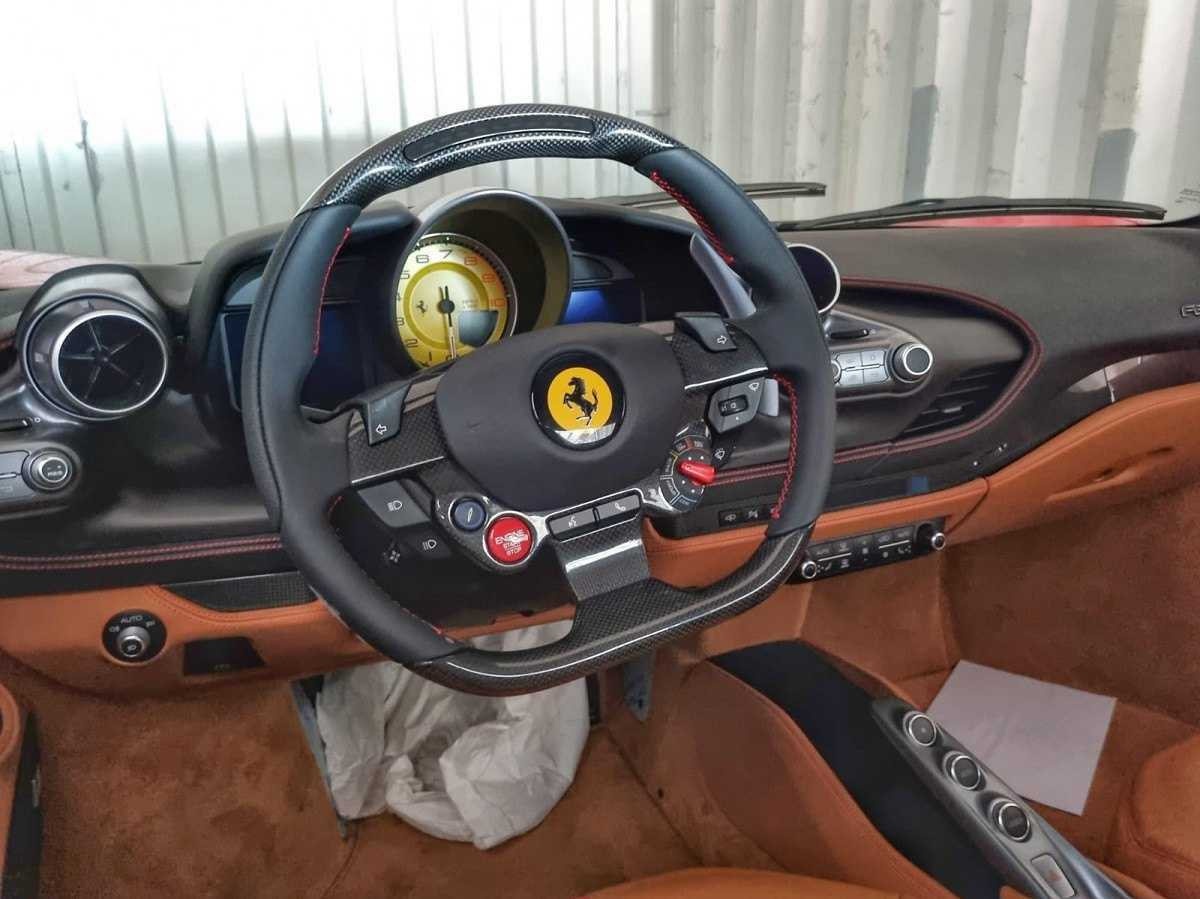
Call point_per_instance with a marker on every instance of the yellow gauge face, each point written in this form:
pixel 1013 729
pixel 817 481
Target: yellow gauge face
pixel 453 296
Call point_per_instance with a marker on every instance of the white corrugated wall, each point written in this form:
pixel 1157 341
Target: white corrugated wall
pixel 150 129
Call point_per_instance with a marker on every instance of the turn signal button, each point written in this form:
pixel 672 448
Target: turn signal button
pixel 698 472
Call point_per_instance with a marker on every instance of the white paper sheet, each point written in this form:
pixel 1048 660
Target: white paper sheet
pixel 1043 739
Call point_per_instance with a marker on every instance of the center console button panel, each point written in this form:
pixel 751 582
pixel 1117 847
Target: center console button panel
pixel 1031 856
pixel 848 554
pixel 868 356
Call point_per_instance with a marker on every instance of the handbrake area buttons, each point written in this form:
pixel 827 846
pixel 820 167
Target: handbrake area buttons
pixel 920 728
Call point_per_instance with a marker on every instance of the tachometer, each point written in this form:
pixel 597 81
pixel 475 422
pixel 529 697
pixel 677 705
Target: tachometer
pixel 453 296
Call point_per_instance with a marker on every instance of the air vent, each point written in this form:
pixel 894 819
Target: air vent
pixel 97 357
pixel 110 362
pixel 965 398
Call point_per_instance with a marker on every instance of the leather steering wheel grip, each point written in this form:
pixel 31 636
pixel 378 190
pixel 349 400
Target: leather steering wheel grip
pixel 298 471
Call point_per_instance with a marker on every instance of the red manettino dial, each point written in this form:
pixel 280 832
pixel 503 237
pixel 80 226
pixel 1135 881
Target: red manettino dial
pixel 697 472
pixel 509 539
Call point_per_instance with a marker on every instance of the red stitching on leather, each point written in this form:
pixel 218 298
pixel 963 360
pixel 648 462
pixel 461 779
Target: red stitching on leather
pixel 793 445
pixel 751 473
pixel 691 210
pixel 325 284
pixel 200 549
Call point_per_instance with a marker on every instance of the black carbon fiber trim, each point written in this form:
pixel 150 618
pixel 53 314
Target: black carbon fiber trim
pixel 418 443
pixel 616 626
pixel 555 122
pixel 703 369
pixel 488 134
pixel 604 560
pixel 246 594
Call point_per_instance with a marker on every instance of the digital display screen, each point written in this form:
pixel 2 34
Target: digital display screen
pixel 618 301
pixel 337 372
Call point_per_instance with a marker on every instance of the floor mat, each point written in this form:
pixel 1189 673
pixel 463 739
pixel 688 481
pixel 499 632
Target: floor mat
pixel 216 794
pixel 1042 738
pixel 606 830
pixel 212 794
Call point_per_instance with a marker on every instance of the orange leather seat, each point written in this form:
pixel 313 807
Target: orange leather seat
pixel 1157 837
pixel 720 883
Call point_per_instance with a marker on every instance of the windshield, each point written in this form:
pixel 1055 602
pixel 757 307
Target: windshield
pixel 150 130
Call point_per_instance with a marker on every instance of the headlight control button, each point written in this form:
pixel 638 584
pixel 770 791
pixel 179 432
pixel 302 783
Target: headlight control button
pixel 134 635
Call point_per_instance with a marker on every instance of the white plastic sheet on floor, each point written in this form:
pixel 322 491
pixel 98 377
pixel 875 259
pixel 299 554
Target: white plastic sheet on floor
pixel 457 766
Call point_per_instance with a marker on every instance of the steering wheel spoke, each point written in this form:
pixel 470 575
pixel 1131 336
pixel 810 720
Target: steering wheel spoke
pixel 618 624
pixel 713 351
pixel 393 430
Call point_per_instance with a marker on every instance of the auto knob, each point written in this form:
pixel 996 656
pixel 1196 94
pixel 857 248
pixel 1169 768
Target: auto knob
pixel 133 642
pixel 912 361
pixel 929 538
pixel 809 569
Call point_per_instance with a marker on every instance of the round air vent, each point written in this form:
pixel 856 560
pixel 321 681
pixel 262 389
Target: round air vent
pixel 821 273
pixel 97 357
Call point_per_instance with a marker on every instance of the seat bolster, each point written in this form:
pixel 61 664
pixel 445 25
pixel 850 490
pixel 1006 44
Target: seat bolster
pixel 1157 835
pixel 724 883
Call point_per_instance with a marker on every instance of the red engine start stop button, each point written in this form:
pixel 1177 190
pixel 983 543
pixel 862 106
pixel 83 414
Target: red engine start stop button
pixel 509 539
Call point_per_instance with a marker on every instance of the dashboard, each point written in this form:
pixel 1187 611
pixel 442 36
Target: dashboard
pixel 955 353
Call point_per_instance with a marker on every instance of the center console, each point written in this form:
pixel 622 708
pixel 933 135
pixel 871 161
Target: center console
pixel 1012 836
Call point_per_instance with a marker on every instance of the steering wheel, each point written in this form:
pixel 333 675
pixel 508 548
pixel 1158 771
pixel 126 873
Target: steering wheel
pixel 507 427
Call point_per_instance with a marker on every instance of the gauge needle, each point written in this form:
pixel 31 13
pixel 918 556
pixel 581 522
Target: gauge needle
pixel 446 307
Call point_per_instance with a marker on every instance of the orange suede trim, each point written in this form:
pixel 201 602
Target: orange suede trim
pixel 724 883
pixel 12 728
pixel 781 794
pixel 1157 835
